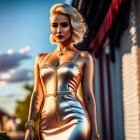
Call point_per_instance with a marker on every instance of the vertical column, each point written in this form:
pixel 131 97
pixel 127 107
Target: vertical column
pixel 102 95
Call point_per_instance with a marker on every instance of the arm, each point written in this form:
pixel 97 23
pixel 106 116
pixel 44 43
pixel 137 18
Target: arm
pixel 36 99
pixel 37 95
pixel 87 90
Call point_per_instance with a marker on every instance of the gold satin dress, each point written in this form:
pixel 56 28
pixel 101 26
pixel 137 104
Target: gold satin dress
pixel 63 116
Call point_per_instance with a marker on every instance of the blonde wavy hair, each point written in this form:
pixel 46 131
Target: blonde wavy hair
pixel 78 24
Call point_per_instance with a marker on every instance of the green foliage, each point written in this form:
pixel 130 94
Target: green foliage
pixel 4 136
pixel 22 111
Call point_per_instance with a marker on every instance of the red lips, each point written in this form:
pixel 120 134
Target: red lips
pixel 59 36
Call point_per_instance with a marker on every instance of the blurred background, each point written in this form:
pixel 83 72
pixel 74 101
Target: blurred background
pixel 113 41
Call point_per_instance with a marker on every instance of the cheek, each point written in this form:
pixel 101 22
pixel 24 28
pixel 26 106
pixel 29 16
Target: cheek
pixel 53 30
pixel 68 31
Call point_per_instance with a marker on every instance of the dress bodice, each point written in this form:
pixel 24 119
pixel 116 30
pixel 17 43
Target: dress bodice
pixel 64 78
pixel 63 115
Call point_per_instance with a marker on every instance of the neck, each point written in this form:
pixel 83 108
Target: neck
pixel 62 46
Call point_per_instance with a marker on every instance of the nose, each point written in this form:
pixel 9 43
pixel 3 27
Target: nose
pixel 59 29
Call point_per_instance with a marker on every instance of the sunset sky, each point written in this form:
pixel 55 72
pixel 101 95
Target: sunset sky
pixel 24 32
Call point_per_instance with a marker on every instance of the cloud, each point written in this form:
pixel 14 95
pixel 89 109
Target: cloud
pixel 26 49
pixel 5 96
pixel 16 75
pixel 10 51
pixel 11 60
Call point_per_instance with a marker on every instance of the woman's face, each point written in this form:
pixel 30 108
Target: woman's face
pixel 60 28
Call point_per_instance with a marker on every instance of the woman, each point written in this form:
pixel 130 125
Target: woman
pixel 57 77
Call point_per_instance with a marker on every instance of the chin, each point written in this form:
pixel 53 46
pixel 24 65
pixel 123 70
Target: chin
pixel 61 41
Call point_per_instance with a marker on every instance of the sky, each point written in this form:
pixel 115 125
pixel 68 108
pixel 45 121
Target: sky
pixel 24 32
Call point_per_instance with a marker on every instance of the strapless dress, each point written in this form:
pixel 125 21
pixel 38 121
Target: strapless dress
pixel 63 116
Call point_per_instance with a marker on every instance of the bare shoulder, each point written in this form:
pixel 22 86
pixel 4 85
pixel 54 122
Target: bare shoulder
pixel 86 56
pixel 40 56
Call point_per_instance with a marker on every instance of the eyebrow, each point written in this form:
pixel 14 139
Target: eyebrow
pixel 61 22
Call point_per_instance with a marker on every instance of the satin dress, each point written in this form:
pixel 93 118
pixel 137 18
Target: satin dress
pixel 63 115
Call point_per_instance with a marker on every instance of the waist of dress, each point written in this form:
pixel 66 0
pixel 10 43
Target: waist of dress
pixel 60 92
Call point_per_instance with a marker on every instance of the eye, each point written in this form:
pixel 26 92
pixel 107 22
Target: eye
pixel 54 25
pixel 64 24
